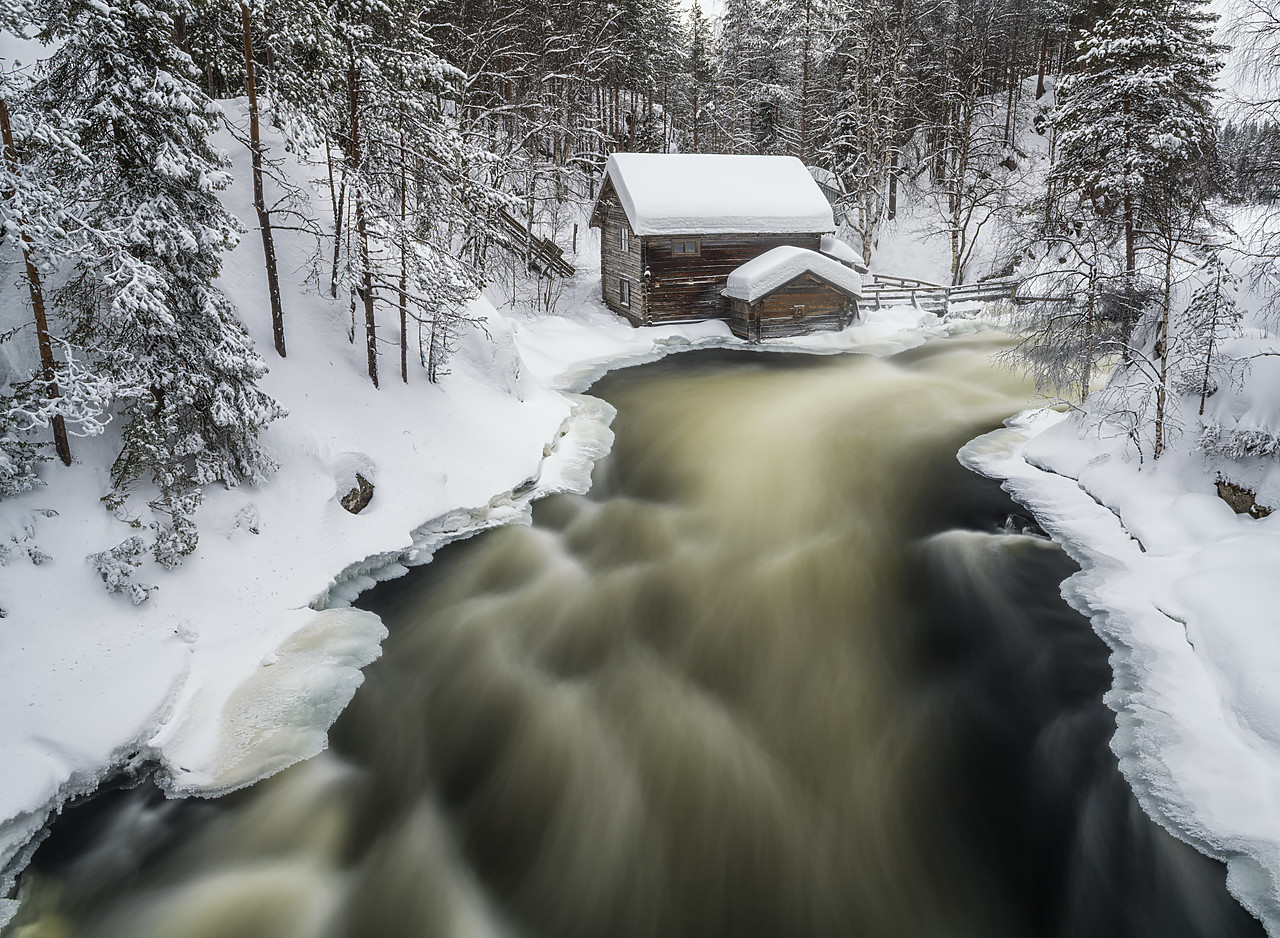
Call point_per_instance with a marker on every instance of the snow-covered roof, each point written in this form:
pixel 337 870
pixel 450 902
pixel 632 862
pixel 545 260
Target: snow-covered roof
pixel 700 193
pixel 843 252
pixel 762 275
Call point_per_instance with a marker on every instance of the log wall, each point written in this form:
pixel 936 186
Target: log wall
pixel 616 264
pixel 804 305
pixel 684 288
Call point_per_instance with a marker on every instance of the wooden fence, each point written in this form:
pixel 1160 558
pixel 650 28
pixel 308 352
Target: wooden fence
pixel 936 298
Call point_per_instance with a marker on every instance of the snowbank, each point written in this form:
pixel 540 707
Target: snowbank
pixel 697 193
pixel 761 275
pixel 1185 592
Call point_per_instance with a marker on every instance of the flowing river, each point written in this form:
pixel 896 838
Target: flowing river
pixel 788 670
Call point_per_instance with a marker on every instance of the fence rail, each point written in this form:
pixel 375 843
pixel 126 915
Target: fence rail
pixel 888 290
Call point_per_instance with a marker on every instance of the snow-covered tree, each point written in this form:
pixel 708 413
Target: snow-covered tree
pixel 1210 319
pixel 413 182
pixel 185 369
pixel 1134 120
pixel 866 99
pixel 44 225
pixel 700 71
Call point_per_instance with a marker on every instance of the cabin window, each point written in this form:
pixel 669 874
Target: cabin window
pixel 624 291
pixel 626 241
pixel 797 312
pixel 685 248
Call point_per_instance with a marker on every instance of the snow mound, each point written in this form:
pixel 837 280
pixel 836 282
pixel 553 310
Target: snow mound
pixel 698 193
pixel 762 275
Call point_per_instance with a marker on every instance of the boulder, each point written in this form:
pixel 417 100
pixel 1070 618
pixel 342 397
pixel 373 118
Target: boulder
pixel 1241 500
pixel 356 500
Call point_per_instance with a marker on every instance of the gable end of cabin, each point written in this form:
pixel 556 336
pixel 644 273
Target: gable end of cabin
pixel 622 285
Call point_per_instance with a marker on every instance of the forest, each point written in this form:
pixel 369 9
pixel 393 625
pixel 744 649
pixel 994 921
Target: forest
pixel 459 139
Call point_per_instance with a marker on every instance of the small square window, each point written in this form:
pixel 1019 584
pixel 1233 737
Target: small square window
pixel 685 248
pixel 626 241
pixel 624 291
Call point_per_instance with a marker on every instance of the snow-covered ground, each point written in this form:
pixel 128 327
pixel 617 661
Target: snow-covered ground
pixel 242 658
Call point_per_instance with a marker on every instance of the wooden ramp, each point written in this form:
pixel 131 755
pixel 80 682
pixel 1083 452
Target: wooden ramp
pixel 542 254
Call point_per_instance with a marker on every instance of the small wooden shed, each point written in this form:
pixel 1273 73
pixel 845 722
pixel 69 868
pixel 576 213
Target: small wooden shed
pixel 673 227
pixel 791 291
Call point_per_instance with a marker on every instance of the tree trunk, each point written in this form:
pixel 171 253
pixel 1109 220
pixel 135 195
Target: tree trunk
pixel 696 145
pixel 1162 350
pixel 337 229
pixel 1044 58
pixel 804 79
pixel 1091 319
pixel 333 190
pixel 1008 106
pixel 259 199
pixel 1130 246
pixel 36 289
pixel 892 212
pixel 1213 334
pixel 1130 272
pixel 362 226
pixel 404 268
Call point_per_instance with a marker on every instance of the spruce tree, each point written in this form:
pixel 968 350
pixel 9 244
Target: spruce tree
pixel 700 72
pixel 41 224
pixel 1134 120
pixel 190 406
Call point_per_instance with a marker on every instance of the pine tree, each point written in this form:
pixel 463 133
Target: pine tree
pixel 185 368
pixel 414 183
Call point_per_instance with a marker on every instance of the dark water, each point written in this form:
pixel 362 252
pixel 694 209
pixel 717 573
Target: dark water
pixel 781 673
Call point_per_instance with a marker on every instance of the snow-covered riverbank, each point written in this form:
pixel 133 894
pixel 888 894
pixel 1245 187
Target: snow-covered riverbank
pixel 1185 592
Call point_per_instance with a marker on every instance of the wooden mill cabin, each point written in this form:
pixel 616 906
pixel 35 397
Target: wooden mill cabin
pixel 674 226
pixel 791 291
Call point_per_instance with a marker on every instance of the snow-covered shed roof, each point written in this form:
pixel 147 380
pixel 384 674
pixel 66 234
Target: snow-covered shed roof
pixel 702 193
pixel 843 252
pixel 762 275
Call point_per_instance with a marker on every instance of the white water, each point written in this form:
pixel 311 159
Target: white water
pixel 777 675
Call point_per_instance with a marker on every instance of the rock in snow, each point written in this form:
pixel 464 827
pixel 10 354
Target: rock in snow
pixel 358 498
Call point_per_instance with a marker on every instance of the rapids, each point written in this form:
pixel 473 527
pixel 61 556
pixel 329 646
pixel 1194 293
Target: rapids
pixel 784 671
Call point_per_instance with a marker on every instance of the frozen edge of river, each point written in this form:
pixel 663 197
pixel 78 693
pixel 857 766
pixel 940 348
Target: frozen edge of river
pixel 583 438
pixel 1194 769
